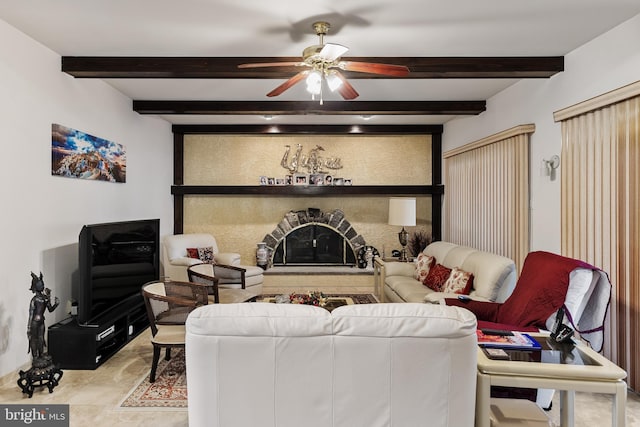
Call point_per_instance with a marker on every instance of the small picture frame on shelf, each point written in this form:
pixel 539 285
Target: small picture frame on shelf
pixel 279 181
pixel 271 181
pixel 300 179
pixel 338 181
pixel 328 180
pixel 288 180
pixel 263 180
pixel 316 179
pixel 347 181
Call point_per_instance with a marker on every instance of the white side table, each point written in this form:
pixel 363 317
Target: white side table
pixel 378 278
pixel 595 375
pixel 379 274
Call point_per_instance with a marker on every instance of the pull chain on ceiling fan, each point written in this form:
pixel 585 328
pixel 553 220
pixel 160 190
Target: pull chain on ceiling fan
pixel 323 61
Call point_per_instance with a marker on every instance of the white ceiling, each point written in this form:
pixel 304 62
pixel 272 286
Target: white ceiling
pixel 219 28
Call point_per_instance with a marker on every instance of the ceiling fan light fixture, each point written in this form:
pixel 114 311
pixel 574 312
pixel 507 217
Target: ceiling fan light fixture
pixel 324 62
pixel 333 81
pixel 314 82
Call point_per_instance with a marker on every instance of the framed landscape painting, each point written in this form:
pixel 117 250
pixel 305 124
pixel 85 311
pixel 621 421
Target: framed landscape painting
pixel 75 154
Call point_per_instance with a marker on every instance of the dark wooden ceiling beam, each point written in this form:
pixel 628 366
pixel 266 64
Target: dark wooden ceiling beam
pixel 227 67
pixel 310 107
pixel 434 130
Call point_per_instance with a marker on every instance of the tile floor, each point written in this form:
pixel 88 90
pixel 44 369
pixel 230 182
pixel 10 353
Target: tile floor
pixel 94 396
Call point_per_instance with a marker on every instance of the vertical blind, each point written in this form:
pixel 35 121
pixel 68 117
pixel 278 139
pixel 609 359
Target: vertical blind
pixel 486 205
pixel 600 205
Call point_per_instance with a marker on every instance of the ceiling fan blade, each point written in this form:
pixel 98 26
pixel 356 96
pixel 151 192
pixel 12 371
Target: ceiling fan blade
pixel 347 91
pixel 292 81
pixel 375 68
pixel 271 64
pixel 331 51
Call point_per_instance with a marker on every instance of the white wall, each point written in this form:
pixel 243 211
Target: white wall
pixel 606 63
pixel 41 214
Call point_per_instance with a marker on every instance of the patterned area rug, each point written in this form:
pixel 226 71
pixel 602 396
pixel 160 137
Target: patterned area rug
pixel 169 391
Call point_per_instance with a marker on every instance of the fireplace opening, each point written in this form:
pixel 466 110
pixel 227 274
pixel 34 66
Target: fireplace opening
pixel 311 237
pixel 314 244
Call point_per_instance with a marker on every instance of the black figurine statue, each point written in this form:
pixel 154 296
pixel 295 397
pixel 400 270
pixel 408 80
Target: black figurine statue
pixel 43 371
pixel 40 302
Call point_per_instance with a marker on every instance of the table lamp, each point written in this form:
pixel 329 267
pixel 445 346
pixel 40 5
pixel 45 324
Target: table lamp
pixel 402 211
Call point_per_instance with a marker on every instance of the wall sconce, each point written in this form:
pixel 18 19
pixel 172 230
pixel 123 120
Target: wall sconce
pixel 549 167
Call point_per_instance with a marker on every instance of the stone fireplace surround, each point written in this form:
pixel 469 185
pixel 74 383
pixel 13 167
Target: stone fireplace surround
pixel 296 219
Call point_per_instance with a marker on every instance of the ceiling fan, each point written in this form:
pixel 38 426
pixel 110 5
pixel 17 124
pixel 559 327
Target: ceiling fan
pixel 323 65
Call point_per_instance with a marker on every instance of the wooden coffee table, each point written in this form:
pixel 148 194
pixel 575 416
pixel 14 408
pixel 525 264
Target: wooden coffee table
pixel 580 370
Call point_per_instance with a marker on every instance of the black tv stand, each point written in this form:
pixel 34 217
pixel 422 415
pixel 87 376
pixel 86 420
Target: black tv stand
pixel 88 325
pixel 77 346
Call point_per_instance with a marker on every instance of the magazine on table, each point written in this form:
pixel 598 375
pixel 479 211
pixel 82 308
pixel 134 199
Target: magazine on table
pixel 507 340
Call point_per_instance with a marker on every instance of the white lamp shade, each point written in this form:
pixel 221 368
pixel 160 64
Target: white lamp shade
pixel 402 211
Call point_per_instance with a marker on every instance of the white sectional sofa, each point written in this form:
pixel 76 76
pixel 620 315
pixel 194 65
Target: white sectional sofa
pixel 367 365
pixel 494 275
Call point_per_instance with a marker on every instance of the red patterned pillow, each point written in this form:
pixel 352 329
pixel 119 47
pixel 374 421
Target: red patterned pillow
pixel 203 254
pixel 437 277
pixel 459 282
pixel 423 265
pixel 193 253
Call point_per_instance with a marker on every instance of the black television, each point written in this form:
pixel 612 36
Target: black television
pixel 115 260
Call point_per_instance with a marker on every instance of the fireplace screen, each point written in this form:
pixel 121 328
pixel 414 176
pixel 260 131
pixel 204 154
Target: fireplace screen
pixel 314 244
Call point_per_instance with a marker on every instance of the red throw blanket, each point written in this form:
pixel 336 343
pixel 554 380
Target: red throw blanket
pixel 540 291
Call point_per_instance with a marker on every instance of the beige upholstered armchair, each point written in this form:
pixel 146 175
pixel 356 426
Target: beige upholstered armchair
pixel 176 260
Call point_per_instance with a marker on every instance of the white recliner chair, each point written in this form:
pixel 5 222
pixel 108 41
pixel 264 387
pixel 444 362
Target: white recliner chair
pixel 176 261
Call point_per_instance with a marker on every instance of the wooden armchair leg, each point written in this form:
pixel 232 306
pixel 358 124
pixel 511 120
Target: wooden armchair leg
pixel 167 354
pixel 154 364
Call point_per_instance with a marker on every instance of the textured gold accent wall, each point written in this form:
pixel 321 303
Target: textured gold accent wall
pixel 240 222
pixel 367 160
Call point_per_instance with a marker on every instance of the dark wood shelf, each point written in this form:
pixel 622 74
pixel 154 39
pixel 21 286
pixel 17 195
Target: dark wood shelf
pixel 309 190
